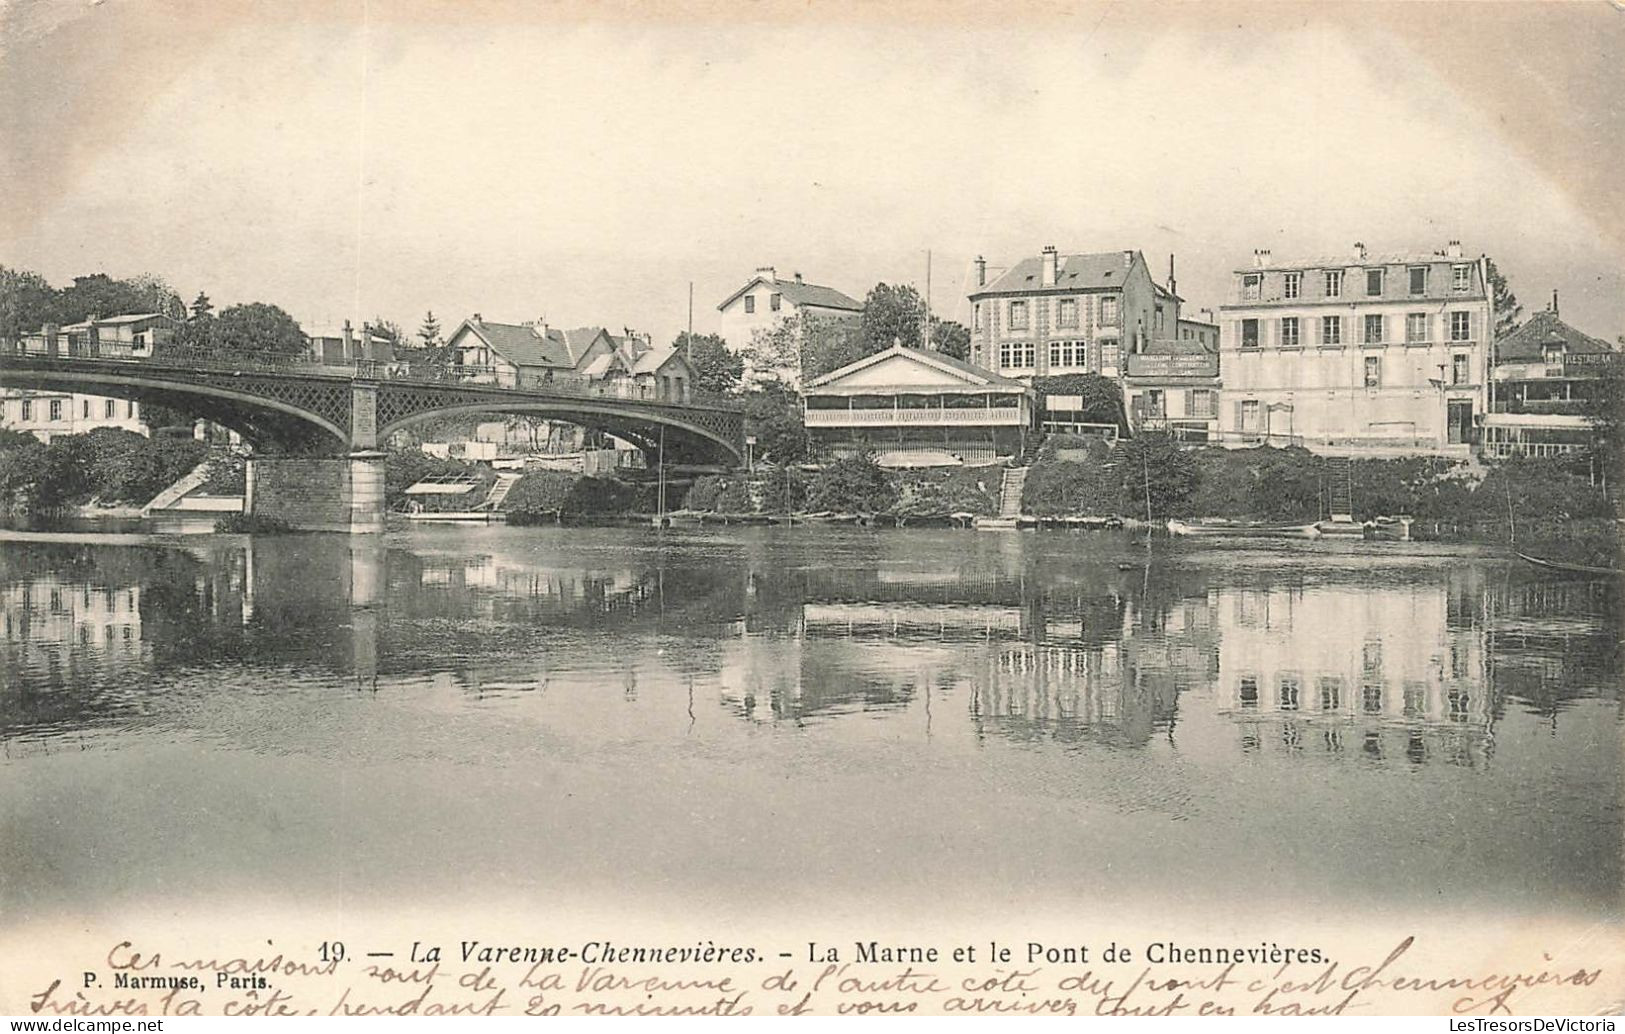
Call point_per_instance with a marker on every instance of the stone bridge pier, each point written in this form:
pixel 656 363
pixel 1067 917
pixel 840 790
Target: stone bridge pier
pixel 326 493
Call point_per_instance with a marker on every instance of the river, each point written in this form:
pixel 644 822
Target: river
pixel 744 718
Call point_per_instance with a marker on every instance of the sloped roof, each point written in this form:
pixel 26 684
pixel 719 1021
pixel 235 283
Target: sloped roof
pixel 519 343
pixel 969 372
pixel 1528 342
pixel 1092 272
pixel 1176 346
pixel 136 317
pixel 653 359
pixel 576 342
pixel 799 292
pixel 1372 259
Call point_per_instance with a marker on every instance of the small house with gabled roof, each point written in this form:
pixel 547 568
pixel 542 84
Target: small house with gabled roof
pixel 917 408
pixel 519 355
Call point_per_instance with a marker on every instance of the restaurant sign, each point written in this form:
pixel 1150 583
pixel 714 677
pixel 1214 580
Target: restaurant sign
pixel 1190 364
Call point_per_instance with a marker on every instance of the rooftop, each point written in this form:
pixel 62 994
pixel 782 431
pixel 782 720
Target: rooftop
pixel 1528 343
pixel 1091 272
pixel 799 292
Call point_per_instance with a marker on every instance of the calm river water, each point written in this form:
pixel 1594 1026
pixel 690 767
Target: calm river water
pixel 787 716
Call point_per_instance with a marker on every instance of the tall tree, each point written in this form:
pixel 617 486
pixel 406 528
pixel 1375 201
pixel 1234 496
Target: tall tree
pixel 717 368
pixel 951 338
pixel 429 331
pixel 259 327
pixel 1508 313
pixel 893 314
pixel 202 308
pixel 27 302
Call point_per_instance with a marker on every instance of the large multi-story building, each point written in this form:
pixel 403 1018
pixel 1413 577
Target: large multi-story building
pixel 1357 353
pixel 1058 314
pixel 764 304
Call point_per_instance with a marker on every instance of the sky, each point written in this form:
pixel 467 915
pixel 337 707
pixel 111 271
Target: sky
pixel 361 158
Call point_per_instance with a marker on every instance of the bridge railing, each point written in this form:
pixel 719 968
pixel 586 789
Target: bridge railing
pixel 233 361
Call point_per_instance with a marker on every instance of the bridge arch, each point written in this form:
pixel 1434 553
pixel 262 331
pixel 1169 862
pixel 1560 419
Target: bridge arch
pixel 262 420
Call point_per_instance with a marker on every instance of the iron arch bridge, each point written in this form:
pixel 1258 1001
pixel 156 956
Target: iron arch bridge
pixel 298 408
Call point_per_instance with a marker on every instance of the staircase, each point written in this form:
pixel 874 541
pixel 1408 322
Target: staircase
pixel 1010 491
pixel 188 484
pixel 1340 488
pixel 499 491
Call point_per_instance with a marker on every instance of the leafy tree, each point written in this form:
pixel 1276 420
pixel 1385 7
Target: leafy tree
pixel 1508 313
pixel 951 338
pixel 388 329
pixel 1102 396
pixel 202 307
pixel 27 302
pixel 258 327
pixel 22 462
pixel 159 297
pixel 773 415
pixel 100 295
pixel 1605 406
pixel 804 347
pixel 893 314
pixel 717 368
pixel 853 484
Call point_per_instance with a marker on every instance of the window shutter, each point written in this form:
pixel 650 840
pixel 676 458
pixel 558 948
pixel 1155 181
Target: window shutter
pixel 1238 416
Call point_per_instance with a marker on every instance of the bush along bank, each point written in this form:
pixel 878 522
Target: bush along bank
pixel 1074 477
pixel 552 496
pixel 105 467
pixel 851 485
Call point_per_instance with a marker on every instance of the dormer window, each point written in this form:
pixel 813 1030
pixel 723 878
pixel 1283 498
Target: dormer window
pixel 1461 278
pixel 1251 283
pixel 1293 286
pixel 1419 279
pixel 1554 354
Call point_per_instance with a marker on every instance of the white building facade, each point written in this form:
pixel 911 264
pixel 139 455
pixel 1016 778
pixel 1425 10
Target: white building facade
pixel 1357 354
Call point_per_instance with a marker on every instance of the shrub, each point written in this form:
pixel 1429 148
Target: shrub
pixel 853 484
pixel 1060 488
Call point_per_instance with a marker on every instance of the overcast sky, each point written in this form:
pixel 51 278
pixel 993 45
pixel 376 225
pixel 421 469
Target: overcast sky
pixel 359 159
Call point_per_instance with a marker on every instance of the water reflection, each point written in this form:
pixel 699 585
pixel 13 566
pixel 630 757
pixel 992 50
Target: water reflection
pixel 1364 712
pixel 1414 662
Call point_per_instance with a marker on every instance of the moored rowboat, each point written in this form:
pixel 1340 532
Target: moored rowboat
pixel 1238 530
pixel 1554 565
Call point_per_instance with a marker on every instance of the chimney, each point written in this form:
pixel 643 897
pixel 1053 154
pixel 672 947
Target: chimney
pixel 1554 301
pixel 1359 250
pixel 1051 267
pixel 478 318
pixel 1128 260
pixel 981 271
pixel 1171 289
pixel 1261 257
pixel 1453 249
pixel 349 340
pixel 798 276
pixel 766 273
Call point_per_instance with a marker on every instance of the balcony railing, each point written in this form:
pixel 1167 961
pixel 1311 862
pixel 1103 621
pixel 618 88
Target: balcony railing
pixel 233 361
pixel 1002 416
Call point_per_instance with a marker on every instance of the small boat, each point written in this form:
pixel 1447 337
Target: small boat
pixel 1235 529
pixel 1555 565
